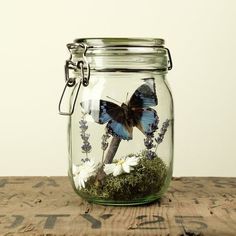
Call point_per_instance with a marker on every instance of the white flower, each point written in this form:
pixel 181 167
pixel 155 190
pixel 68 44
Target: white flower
pixel 82 172
pixel 124 165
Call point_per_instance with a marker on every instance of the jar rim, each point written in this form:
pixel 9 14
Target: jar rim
pixel 121 42
pixel 103 54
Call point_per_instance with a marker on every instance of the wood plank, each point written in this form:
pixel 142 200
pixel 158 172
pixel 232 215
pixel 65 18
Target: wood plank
pixel 49 206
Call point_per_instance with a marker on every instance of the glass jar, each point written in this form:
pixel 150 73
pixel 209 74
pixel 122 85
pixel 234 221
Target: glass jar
pixel 120 128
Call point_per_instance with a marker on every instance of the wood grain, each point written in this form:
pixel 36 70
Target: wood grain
pixel 49 206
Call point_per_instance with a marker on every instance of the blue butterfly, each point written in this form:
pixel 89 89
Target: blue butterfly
pixel 136 113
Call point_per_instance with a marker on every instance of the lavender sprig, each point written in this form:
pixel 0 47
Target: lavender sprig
pixel 84 160
pixel 83 124
pixel 148 142
pixel 86 147
pixel 164 127
pixel 150 154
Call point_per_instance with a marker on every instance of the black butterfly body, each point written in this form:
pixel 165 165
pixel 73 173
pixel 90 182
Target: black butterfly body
pixel 136 113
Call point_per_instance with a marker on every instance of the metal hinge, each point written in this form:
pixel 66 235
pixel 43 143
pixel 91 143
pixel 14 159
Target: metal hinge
pixel 84 68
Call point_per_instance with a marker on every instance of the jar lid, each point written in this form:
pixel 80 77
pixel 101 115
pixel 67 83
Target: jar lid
pixel 121 42
pixel 123 54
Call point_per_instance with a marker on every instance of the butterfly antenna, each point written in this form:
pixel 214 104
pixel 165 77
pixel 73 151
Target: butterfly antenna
pixel 113 99
pixel 126 98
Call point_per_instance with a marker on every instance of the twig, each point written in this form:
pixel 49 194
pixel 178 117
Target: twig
pixel 115 142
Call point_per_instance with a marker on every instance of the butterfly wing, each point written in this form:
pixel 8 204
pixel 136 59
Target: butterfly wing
pixel 109 111
pixel 144 117
pixel 121 130
pixel 144 96
pixel 117 125
pixel 146 120
pixel 103 111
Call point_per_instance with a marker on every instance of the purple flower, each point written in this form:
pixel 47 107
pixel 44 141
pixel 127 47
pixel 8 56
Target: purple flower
pixel 86 147
pixel 148 142
pixel 150 154
pixel 164 127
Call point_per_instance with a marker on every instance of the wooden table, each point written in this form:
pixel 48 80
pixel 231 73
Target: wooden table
pixel 49 206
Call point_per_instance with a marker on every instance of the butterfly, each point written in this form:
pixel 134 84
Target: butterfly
pixel 135 113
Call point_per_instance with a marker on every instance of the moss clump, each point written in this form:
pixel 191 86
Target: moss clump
pixel 147 178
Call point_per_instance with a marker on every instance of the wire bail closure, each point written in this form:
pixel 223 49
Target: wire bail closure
pixel 84 68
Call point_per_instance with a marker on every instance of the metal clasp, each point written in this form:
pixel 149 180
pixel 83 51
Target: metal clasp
pixel 84 68
pixel 170 59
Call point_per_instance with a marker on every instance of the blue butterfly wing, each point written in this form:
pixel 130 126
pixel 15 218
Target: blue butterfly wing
pixel 144 96
pixel 117 125
pixel 120 130
pixel 103 111
pixel 107 110
pixel 147 121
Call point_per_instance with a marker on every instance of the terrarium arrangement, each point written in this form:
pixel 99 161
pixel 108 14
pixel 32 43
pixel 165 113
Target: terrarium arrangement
pixel 120 119
pixel 135 175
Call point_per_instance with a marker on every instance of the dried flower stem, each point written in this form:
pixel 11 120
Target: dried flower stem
pixel 148 142
pixel 164 127
pixel 86 147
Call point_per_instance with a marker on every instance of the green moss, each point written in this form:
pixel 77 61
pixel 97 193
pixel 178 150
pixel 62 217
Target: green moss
pixel 147 178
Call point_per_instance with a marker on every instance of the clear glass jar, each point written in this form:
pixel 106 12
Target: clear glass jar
pixel 120 129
